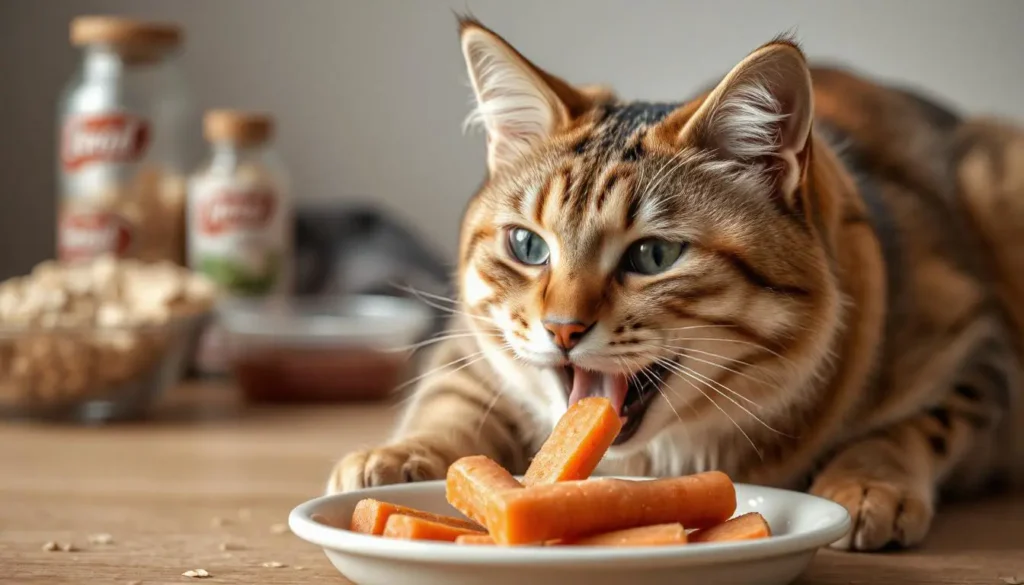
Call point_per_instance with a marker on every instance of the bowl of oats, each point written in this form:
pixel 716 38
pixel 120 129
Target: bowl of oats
pixel 97 341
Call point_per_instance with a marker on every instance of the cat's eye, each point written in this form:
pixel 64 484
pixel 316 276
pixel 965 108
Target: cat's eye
pixel 652 256
pixel 528 247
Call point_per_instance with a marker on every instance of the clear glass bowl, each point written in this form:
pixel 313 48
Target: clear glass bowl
pixel 321 348
pixel 91 374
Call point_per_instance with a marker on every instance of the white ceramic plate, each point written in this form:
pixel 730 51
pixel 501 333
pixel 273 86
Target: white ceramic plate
pixel 801 524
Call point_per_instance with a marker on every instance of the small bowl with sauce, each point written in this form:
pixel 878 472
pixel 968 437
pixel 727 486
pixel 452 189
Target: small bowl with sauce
pixel 321 349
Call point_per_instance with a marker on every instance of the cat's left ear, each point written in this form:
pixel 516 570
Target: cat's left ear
pixel 760 114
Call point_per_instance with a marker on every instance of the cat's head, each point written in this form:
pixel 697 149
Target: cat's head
pixel 669 256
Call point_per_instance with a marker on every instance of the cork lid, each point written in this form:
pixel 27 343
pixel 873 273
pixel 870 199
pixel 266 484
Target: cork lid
pixel 124 32
pixel 246 128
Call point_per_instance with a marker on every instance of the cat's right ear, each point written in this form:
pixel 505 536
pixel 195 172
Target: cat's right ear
pixel 517 103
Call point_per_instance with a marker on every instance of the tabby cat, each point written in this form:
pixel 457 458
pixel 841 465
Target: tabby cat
pixel 799 278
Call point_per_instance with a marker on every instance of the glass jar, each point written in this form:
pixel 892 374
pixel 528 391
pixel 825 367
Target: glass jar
pixel 124 121
pixel 240 209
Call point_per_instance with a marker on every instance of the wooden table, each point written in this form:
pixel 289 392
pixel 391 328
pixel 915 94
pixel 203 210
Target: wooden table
pixel 209 473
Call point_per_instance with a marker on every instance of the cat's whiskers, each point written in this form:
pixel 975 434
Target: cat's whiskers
pixel 683 354
pixel 737 341
pixel 712 383
pixel 686 352
pixel 647 374
pixel 497 396
pixel 668 401
pixel 444 336
pixel 715 384
pixel 716 355
pixel 450 310
pixel 657 382
pixel 422 293
pixel 473 357
pixel 685 377
pixel 626 370
pixel 487 413
pixel 692 327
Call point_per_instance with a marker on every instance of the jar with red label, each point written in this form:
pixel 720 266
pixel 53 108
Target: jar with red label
pixel 239 208
pixel 124 123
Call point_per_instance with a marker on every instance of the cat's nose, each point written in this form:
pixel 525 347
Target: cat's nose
pixel 566 333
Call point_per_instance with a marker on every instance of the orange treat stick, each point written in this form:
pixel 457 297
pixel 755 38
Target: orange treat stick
pixel 413 528
pixel 657 535
pixel 472 484
pixel 574 509
pixel 577 443
pixel 749 526
pixel 370 517
pixel 477 539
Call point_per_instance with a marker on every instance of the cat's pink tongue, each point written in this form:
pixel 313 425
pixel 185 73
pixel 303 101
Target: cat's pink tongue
pixel 611 386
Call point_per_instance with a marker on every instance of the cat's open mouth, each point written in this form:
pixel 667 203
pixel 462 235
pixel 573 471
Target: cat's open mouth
pixel 631 395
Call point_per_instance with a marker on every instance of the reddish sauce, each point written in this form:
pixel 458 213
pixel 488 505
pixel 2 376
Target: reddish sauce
pixel 321 375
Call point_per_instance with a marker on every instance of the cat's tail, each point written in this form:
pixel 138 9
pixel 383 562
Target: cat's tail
pixel 989 164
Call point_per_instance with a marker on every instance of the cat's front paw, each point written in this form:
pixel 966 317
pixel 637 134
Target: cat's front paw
pixel 883 512
pixel 398 463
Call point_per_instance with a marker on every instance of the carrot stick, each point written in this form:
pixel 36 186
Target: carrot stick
pixel 471 539
pixel 658 534
pixel 577 443
pixel 473 481
pixel 749 526
pixel 413 528
pixel 575 509
pixel 370 517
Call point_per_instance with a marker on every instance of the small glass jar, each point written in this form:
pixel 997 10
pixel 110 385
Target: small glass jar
pixel 240 209
pixel 124 143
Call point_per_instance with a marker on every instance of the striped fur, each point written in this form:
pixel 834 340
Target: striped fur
pixel 843 317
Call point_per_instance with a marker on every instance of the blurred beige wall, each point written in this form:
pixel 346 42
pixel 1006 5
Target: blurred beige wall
pixel 370 94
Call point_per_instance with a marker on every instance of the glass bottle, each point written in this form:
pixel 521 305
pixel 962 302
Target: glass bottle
pixel 240 208
pixel 124 120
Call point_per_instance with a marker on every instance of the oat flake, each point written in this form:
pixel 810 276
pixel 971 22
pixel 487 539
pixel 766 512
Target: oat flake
pixel 101 538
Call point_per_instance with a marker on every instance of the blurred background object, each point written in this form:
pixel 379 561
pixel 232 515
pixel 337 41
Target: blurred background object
pixel 370 95
pixel 123 120
pixel 334 149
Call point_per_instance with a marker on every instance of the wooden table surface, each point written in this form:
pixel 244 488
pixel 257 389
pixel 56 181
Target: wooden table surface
pixel 204 474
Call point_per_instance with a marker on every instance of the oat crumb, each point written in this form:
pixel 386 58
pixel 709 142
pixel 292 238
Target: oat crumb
pixel 299 567
pixel 274 565
pixel 278 528
pixel 226 546
pixel 134 583
pixel 101 538
pixel 51 546
pixel 244 514
pixel 68 547
pixel 1012 580
pixel 196 574
pixel 217 521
